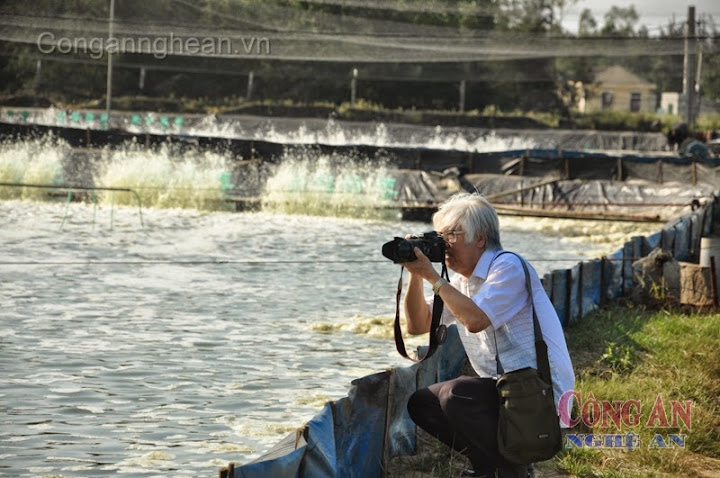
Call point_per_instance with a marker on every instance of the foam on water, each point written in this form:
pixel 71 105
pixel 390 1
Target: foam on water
pixel 303 182
pixel 337 133
pixel 303 131
pixel 328 185
pixel 591 239
pixel 162 177
pixel 165 177
pixel 371 327
pixel 31 161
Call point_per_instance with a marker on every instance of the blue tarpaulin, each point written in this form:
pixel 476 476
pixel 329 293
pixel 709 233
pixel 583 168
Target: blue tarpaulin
pixel 356 435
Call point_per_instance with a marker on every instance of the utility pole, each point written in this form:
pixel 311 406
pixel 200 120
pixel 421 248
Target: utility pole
pixel 689 67
pixel 251 79
pixel 108 98
pixel 353 86
pixel 38 69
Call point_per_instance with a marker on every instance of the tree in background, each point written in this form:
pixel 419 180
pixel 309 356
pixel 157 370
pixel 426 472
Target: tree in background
pixel 539 82
pixel 620 22
pixel 587 24
pixel 710 73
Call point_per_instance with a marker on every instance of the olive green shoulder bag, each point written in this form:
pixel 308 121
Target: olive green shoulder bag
pixel 528 424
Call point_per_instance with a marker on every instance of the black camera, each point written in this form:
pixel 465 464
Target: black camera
pixel 402 250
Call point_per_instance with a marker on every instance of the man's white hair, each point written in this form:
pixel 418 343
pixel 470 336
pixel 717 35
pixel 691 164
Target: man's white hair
pixel 472 213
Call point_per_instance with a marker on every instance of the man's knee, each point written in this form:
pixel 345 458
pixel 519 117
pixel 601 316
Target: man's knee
pixel 421 403
pixel 470 393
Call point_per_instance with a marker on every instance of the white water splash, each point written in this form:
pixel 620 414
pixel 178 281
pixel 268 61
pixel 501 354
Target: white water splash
pixel 165 177
pixel 31 161
pixel 329 185
pixel 300 131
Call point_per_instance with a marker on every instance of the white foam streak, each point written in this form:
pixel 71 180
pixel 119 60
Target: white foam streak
pixel 334 133
pixel 300 131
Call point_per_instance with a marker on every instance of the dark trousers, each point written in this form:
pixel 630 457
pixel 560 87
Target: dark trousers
pixel 463 414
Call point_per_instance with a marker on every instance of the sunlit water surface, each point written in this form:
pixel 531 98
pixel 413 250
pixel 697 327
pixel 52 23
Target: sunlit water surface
pixel 179 340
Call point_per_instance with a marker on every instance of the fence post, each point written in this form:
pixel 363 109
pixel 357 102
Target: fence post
pixel 568 296
pixel 603 278
pixel 580 291
pixel 626 266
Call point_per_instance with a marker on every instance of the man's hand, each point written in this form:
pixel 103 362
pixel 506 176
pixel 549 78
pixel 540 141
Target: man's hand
pixel 422 267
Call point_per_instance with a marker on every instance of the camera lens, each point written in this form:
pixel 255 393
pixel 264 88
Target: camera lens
pixel 406 250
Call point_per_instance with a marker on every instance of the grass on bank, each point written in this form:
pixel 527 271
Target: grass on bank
pixel 620 354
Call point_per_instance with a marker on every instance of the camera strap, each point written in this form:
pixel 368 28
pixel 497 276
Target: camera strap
pixel 438 332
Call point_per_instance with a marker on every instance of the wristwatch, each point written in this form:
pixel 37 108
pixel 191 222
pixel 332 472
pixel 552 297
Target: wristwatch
pixel 436 286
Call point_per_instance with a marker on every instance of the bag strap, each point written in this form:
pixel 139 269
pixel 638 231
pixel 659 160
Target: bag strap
pixel 438 332
pixel 543 364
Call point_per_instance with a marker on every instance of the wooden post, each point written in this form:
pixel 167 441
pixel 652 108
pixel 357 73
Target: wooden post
pixel 626 269
pixel 111 25
pixel 38 69
pixel 568 296
pixel 388 419
pixel 637 242
pixel 251 78
pixel 227 471
pixel 547 282
pixel 602 280
pixel 689 67
pixel 353 87
pixel 461 105
pixel 713 281
pixel 141 82
pixel 580 290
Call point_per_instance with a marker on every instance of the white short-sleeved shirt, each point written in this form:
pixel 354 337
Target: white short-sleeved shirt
pixel 501 293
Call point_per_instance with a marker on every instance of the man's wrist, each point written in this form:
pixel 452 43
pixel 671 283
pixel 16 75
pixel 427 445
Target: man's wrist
pixel 438 284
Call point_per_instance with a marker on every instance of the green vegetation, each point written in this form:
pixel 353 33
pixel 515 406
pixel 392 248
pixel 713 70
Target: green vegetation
pixel 622 354
pixel 637 354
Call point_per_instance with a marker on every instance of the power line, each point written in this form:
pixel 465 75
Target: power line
pixel 175 262
pixel 401 7
pixel 254 263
